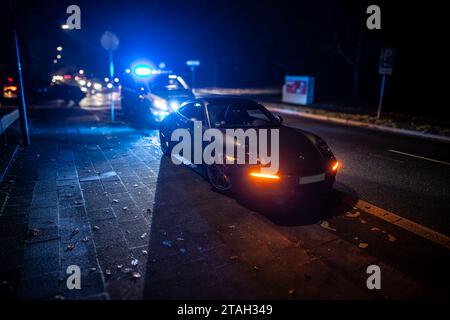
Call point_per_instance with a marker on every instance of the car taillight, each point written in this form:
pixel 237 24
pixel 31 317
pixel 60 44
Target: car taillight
pixel 10 88
pixel 335 166
pixel 264 176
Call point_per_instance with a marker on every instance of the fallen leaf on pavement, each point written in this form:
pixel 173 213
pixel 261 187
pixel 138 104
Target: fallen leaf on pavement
pixel 108 272
pixel 96 228
pixel 363 245
pixel 125 208
pixel 144 252
pixel 35 232
pixel 391 238
pixel 143 235
pixel 136 275
pixel 353 215
pixel 70 247
pixel 167 243
pixel 375 229
pixel 115 201
pixel 326 225
pixel 134 262
pixel 74 232
pixel 292 292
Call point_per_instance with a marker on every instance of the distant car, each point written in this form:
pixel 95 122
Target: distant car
pixel 306 163
pixel 154 98
pixel 10 89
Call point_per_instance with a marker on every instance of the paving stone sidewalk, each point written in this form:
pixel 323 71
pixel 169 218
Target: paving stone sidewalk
pixel 82 195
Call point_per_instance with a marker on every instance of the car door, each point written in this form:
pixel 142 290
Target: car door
pixel 193 120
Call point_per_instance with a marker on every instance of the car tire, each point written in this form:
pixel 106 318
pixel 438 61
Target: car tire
pixel 218 178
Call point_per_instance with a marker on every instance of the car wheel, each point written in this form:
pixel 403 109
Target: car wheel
pixel 219 178
pixel 164 142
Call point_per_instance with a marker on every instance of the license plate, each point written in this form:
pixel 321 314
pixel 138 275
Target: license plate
pixel 312 179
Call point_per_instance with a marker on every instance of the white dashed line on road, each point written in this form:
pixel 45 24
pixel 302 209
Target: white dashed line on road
pixel 419 157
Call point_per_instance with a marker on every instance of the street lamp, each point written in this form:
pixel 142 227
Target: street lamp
pixel 58 56
pixel 59 48
pixel 65 27
pixel 55 61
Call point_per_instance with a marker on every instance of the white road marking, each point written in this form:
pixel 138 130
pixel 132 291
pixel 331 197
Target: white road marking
pixel 406 224
pixel 419 157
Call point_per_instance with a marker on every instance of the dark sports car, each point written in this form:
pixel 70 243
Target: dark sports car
pixel 306 163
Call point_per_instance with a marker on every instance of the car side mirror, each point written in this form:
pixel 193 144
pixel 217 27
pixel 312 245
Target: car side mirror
pixel 279 118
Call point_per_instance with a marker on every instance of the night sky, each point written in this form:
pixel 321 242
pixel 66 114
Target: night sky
pixel 249 43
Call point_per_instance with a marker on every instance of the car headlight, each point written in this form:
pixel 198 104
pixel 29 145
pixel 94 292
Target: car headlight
pixel 160 104
pixel 174 105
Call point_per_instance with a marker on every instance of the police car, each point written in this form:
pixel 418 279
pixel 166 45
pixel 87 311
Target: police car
pixel 151 95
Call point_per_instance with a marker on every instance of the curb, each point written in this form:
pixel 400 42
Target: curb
pixel 10 162
pixel 372 126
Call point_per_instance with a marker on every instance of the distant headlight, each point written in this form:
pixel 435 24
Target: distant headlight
pixel 174 105
pixel 97 86
pixel 161 104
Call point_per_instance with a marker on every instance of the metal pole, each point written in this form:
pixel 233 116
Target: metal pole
pixel 193 77
pixel 380 102
pixel 111 75
pixel 22 102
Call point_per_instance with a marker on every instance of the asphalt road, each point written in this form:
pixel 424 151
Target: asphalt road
pixel 377 170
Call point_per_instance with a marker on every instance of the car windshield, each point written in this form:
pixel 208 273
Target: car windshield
pixel 240 115
pixel 164 82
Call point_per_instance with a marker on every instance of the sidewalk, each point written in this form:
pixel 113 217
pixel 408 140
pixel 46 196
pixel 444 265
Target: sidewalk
pixel 63 204
pixel 423 130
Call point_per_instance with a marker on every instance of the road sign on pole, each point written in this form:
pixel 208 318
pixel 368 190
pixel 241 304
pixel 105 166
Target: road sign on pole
pixel 193 64
pixel 385 68
pixel 110 42
pixel 386 61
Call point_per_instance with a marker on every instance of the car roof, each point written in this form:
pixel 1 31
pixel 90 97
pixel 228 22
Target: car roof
pixel 226 100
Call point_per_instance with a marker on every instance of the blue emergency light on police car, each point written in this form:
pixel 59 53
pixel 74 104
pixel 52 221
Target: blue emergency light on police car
pixel 142 71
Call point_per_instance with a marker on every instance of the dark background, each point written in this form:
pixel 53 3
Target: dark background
pixel 250 44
